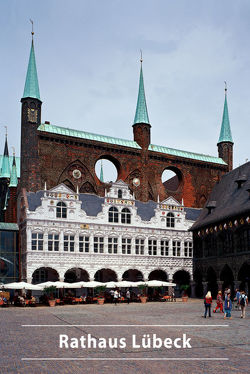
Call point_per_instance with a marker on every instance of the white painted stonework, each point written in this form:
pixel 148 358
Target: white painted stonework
pixel 78 224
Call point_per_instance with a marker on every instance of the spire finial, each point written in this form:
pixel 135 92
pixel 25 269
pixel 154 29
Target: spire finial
pixel 141 60
pixel 6 132
pixel 225 87
pixel 32 29
pixel 14 153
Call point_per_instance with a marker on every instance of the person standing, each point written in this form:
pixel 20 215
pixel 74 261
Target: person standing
pixel 219 303
pixel 208 302
pixel 228 307
pixel 128 296
pixel 116 295
pixel 243 302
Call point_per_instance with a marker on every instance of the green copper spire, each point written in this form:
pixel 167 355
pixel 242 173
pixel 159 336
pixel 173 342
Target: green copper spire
pixel 5 170
pixel 225 131
pixel 13 174
pixel 31 88
pixel 141 114
pixel 101 174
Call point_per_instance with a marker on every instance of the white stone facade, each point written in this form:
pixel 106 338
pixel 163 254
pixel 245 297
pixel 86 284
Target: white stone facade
pixel 91 242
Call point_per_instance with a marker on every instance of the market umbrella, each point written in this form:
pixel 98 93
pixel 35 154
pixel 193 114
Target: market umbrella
pixel 111 284
pixel 126 284
pixel 157 283
pixel 22 285
pixel 93 284
pixel 56 284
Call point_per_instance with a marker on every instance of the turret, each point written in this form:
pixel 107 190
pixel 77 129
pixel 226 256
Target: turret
pixel 225 142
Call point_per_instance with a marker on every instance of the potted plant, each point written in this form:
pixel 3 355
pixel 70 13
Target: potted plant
pixel 184 288
pixel 143 295
pixel 49 292
pixel 100 290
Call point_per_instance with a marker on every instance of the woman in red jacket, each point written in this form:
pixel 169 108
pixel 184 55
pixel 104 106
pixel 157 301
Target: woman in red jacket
pixel 208 303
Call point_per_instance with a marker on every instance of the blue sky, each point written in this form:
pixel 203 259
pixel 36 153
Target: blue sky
pixel 88 53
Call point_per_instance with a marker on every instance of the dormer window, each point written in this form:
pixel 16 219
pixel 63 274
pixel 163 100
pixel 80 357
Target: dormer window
pixel 113 214
pixel 119 194
pixel 126 216
pixel 61 210
pixel 170 220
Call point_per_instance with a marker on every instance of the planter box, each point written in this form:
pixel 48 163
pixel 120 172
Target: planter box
pixel 185 299
pixel 52 302
pixel 100 300
pixel 143 299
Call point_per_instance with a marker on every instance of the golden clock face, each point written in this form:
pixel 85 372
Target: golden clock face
pixel 77 174
pixel 32 115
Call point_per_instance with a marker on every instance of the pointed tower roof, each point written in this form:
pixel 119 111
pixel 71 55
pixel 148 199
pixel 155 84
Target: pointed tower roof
pixel 101 174
pixel 31 88
pixel 225 131
pixel 141 114
pixel 5 169
pixel 13 174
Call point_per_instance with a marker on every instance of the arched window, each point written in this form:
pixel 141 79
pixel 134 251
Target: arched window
pixel 113 214
pixel 61 210
pixel 120 194
pixel 170 220
pixel 126 216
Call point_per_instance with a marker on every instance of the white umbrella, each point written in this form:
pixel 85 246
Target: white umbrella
pixel 111 284
pixel 157 283
pixel 22 285
pixel 93 284
pixel 126 284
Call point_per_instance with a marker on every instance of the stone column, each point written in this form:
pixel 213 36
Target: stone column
pixel 236 285
pixel 204 284
pixel 192 285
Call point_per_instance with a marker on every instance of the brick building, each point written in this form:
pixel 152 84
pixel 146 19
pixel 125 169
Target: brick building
pixel 222 235
pixel 53 154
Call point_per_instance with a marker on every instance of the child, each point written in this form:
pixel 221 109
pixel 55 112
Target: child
pixel 228 307
pixel 219 303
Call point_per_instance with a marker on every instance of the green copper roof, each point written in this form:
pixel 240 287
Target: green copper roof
pixel 7 175
pixel 13 174
pixel 87 135
pixel 225 131
pixel 31 88
pixel 101 174
pixel 141 114
pixel 8 226
pixel 186 154
pixel 127 143
pixel 5 166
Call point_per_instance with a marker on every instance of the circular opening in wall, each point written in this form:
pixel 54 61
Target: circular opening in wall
pixel 171 179
pixel 106 170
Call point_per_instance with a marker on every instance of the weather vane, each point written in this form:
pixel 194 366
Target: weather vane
pixel 225 86
pixel 141 56
pixel 6 131
pixel 32 32
pixel 13 151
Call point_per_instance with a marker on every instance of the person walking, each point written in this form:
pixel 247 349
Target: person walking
pixel 237 298
pixel 116 295
pixel 228 307
pixel 243 303
pixel 128 296
pixel 219 302
pixel 208 302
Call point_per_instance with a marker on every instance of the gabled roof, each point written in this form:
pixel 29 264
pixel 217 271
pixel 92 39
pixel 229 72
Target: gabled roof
pixel 127 143
pixel 31 88
pixel 230 200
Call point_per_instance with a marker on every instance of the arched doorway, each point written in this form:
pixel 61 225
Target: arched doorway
pixel 198 283
pixel 181 278
pixel 105 275
pixel 226 276
pixel 133 275
pixel 158 275
pixel 212 282
pixel 76 275
pixel 44 274
pixel 244 277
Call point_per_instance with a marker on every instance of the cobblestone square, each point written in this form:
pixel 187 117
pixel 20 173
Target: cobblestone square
pixel 211 338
